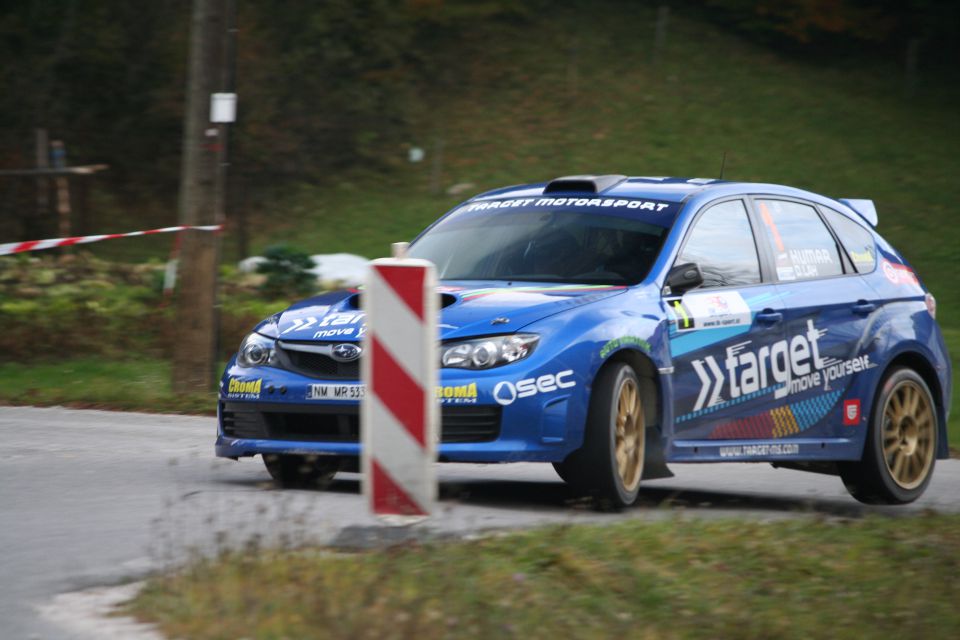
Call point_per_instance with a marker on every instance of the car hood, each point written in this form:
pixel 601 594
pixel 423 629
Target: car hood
pixel 468 309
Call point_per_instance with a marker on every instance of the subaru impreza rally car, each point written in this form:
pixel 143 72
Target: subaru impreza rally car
pixel 610 325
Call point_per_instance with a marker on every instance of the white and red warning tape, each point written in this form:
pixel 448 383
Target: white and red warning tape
pixel 38 245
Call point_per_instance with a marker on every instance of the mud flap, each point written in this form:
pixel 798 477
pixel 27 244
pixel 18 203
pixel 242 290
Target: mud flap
pixel 654 465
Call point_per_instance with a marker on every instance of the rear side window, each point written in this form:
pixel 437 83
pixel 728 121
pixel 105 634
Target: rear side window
pixel 856 241
pixel 722 244
pixel 802 245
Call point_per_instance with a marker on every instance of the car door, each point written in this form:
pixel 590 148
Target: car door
pixel 722 332
pixel 829 309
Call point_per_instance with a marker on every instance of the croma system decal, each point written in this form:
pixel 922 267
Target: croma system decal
pixel 245 389
pixel 457 393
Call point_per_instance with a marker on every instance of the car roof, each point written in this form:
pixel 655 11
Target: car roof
pixel 660 188
pixel 667 189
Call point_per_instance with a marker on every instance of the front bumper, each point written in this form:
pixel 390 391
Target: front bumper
pixel 269 411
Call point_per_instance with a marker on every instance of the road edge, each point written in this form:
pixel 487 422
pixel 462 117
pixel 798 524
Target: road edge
pixel 92 613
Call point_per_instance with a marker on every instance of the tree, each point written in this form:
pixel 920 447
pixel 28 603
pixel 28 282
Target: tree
pixel 195 347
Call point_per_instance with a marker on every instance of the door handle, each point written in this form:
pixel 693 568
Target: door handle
pixel 863 307
pixel 769 316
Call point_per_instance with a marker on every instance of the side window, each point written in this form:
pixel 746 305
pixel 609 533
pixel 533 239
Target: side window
pixel 856 241
pixel 721 242
pixel 802 245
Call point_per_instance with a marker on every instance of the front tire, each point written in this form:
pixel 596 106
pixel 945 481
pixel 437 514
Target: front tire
pixel 301 471
pixel 610 463
pixel 901 448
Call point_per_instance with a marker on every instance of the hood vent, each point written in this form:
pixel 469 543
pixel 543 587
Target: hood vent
pixel 583 184
pixel 354 302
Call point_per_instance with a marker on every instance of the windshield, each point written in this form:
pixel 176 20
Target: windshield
pixel 538 245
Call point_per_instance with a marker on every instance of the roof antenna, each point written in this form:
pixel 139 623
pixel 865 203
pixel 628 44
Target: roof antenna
pixel 723 163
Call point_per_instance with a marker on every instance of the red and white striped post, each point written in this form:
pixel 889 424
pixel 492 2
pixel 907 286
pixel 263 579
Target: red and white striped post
pixel 398 414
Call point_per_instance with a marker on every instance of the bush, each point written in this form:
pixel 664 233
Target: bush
pixel 287 271
pixel 56 307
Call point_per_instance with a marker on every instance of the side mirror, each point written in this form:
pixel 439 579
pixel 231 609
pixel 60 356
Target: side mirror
pixel 683 277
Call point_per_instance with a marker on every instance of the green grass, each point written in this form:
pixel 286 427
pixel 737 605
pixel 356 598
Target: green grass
pixel 874 578
pixel 952 336
pixel 89 383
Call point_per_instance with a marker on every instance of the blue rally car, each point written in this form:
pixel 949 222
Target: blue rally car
pixel 611 325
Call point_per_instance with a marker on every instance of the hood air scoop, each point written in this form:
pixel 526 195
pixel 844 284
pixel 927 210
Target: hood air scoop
pixel 583 184
pixel 353 302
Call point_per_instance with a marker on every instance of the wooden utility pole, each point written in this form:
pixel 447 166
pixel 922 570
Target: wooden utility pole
pixel 194 356
pixel 228 84
pixel 42 151
pixel 59 153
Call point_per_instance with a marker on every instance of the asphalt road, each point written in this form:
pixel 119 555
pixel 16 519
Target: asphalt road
pixel 91 498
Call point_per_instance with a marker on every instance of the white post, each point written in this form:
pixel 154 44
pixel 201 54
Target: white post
pixel 399 412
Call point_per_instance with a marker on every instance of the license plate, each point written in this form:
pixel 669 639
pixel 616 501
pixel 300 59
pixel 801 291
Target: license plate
pixel 335 392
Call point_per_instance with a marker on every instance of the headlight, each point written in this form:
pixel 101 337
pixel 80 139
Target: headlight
pixel 256 351
pixel 485 353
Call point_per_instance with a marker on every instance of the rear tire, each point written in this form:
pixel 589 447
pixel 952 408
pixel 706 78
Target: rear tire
pixel 302 471
pixel 610 463
pixel 901 448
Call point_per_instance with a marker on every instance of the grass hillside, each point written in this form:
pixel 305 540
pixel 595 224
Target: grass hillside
pixel 565 96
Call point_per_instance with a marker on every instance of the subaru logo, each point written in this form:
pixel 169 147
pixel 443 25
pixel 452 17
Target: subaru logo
pixel 346 352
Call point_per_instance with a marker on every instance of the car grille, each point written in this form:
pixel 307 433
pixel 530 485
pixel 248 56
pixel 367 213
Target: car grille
pixel 470 424
pixel 326 423
pixel 318 365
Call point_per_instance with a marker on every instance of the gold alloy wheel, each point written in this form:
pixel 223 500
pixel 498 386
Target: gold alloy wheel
pixel 908 436
pixel 630 435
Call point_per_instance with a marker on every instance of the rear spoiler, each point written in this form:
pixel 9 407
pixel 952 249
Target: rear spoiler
pixel 865 208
